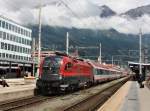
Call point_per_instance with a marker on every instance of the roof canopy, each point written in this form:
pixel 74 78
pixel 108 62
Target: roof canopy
pixel 135 63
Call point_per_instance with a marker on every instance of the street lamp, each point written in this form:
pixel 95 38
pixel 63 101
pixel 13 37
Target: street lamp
pixel 140 54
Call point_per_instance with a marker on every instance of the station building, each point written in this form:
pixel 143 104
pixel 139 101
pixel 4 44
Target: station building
pixel 15 46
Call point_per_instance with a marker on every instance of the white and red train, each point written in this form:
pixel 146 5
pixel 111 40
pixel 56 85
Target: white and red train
pixel 60 72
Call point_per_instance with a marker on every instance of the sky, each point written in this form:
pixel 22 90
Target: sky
pixel 77 13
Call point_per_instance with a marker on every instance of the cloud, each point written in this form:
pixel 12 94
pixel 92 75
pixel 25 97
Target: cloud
pixel 119 23
pixel 121 6
pixel 16 5
pixel 76 13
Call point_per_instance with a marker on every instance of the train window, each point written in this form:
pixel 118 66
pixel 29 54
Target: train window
pixel 99 72
pixel 68 66
pixel 51 65
pixel 94 71
pixel 107 72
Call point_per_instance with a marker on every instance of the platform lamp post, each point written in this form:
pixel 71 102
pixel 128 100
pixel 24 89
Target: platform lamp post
pixel 140 50
pixel 140 60
pixel 67 43
pixel 39 41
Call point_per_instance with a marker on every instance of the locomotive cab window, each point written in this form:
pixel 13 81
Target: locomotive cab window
pixel 52 64
pixel 68 66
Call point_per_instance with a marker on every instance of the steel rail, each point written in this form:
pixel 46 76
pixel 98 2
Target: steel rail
pixel 22 103
pixel 93 102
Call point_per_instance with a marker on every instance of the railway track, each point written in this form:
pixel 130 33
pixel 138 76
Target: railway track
pixel 87 104
pixel 93 102
pixel 22 103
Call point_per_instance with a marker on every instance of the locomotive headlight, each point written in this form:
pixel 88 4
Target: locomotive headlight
pixel 60 77
pixel 61 62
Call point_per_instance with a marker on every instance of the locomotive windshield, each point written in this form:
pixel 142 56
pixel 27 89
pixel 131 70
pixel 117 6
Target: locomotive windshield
pixel 51 65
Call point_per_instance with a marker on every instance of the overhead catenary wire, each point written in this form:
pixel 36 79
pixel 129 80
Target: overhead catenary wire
pixel 85 12
pixel 62 1
pixel 72 12
pixel 67 6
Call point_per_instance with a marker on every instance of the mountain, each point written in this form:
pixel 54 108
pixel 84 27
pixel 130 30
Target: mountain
pixel 138 12
pixel 53 38
pixel 106 11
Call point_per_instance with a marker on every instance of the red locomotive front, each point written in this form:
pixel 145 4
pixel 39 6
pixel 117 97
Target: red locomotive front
pixel 61 73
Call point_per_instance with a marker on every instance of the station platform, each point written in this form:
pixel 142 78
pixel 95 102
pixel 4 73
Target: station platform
pixel 18 88
pixel 129 98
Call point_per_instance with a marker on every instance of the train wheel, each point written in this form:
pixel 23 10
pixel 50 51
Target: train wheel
pixel 69 89
pixel 90 84
pixel 72 88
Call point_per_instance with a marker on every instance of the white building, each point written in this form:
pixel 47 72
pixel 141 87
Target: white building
pixel 15 42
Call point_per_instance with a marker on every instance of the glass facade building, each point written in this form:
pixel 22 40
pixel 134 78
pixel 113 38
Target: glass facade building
pixel 15 41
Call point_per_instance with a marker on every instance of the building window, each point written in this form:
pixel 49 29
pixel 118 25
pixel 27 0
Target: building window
pixel 25 41
pixel 10 37
pixel 6 55
pixel 3 55
pixel 3 24
pixel 8 46
pixel 19 40
pixel 10 56
pixel 12 47
pixel 4 35
pixel 6 25
pixel 15 29
pixel 9 26
pixel 14 38
pixel 2 45
pixel 0 34
pixel 22 40
pixel 5 46
pixel 28 42
pixel 7 36
pixel 15 48
pixel 12 27
pixel 21 31
pixel 20 49
pixel 16 57
pixel 13 56
pixel 0 23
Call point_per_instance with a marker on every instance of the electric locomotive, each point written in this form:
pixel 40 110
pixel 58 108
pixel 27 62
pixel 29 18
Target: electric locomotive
pixel 60 72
